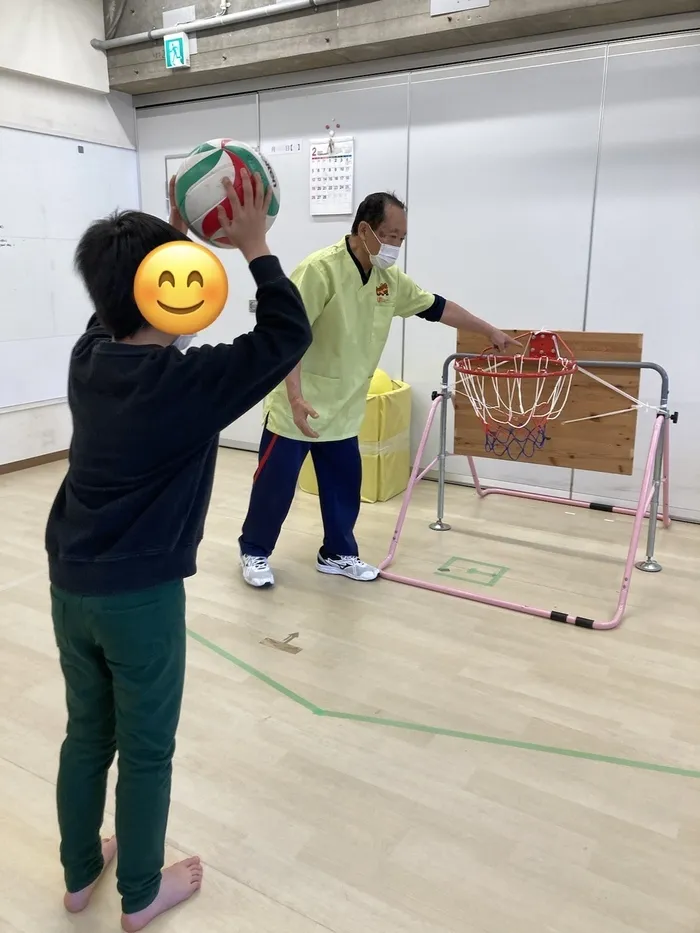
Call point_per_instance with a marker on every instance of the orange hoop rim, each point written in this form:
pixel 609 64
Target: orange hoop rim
pixel 488 363
pixel 468 367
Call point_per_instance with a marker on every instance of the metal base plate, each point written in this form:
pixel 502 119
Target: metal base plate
pixel 440 526
pixel 649 565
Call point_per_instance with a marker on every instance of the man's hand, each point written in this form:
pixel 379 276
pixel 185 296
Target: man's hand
pixel 461 319
pixel 502 342
pixel 301 412
pixel 247 228
pixel 176 219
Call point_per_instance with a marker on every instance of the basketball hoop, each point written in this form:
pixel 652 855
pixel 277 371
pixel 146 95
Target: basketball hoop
pixel 515 396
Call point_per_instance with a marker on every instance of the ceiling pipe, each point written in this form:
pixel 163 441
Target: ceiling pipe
pixel 213 22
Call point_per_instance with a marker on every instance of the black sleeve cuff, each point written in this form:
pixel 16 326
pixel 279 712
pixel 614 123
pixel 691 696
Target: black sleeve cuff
pixel 435 311
pixel 266 269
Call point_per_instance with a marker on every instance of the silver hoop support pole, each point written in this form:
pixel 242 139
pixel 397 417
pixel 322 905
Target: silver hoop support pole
pixel 440 524
pixel 650 564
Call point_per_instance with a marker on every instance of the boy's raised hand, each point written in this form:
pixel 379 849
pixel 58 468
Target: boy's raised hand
pixel 247 229
pixel 176 219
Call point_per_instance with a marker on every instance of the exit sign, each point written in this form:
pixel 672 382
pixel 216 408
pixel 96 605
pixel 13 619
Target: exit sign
pixel 440 7
pixel 176 50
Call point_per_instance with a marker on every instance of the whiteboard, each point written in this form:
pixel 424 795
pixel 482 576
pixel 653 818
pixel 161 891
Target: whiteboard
pixel 51 189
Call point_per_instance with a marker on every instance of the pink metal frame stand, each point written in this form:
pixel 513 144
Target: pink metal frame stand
pixel 653 501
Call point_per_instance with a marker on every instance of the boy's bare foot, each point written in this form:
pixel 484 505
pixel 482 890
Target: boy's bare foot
pixel 179 883
pixel 74 903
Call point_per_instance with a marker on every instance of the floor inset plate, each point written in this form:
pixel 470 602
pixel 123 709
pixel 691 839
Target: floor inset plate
pixel 472 571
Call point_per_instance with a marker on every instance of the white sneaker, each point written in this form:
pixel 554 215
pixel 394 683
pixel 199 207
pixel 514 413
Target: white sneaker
pixel 256 571
pixel 351 567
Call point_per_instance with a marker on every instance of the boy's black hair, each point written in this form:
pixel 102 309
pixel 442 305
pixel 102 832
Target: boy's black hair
pixel 107 258
pixel 373 210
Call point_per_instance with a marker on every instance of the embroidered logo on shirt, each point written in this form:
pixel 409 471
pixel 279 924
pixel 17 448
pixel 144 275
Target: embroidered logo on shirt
pixel 382 292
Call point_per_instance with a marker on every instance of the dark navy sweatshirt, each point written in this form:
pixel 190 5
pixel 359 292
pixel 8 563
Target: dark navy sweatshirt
pixel 146 420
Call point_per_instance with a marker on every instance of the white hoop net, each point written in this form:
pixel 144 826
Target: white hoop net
pixel 514 397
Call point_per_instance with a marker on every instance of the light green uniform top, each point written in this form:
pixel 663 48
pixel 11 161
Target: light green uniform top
pixel 350 318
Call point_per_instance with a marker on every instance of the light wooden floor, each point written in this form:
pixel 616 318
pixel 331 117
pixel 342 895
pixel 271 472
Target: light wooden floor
pixel 310 822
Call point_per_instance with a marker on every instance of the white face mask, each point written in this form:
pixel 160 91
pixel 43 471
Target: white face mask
pixel 387 256
pixel 182 343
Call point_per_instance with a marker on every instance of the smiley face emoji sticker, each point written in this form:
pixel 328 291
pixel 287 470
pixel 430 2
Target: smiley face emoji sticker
pixel 181 288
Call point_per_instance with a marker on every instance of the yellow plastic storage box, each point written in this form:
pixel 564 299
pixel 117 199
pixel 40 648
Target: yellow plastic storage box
pixel 385 446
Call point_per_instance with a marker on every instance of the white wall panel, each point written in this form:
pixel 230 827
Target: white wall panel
pixel 174 131
pixel 501 183
pixel 501 166
pixel 374 112
pixel 645 273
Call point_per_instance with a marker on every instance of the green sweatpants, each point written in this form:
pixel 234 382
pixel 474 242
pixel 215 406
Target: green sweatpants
pixel 123 660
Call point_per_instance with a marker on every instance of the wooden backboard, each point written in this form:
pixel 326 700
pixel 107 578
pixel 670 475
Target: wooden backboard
pixel 604 445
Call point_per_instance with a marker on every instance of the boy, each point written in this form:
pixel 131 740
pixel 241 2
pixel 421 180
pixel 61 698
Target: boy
pixel 123 534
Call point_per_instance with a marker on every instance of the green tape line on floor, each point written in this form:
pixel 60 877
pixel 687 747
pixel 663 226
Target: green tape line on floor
pixel 437 730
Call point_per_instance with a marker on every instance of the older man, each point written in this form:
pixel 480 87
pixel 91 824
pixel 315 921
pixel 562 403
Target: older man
pixel 352 291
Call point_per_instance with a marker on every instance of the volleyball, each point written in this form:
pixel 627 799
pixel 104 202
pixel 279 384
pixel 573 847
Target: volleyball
pixel 199 189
